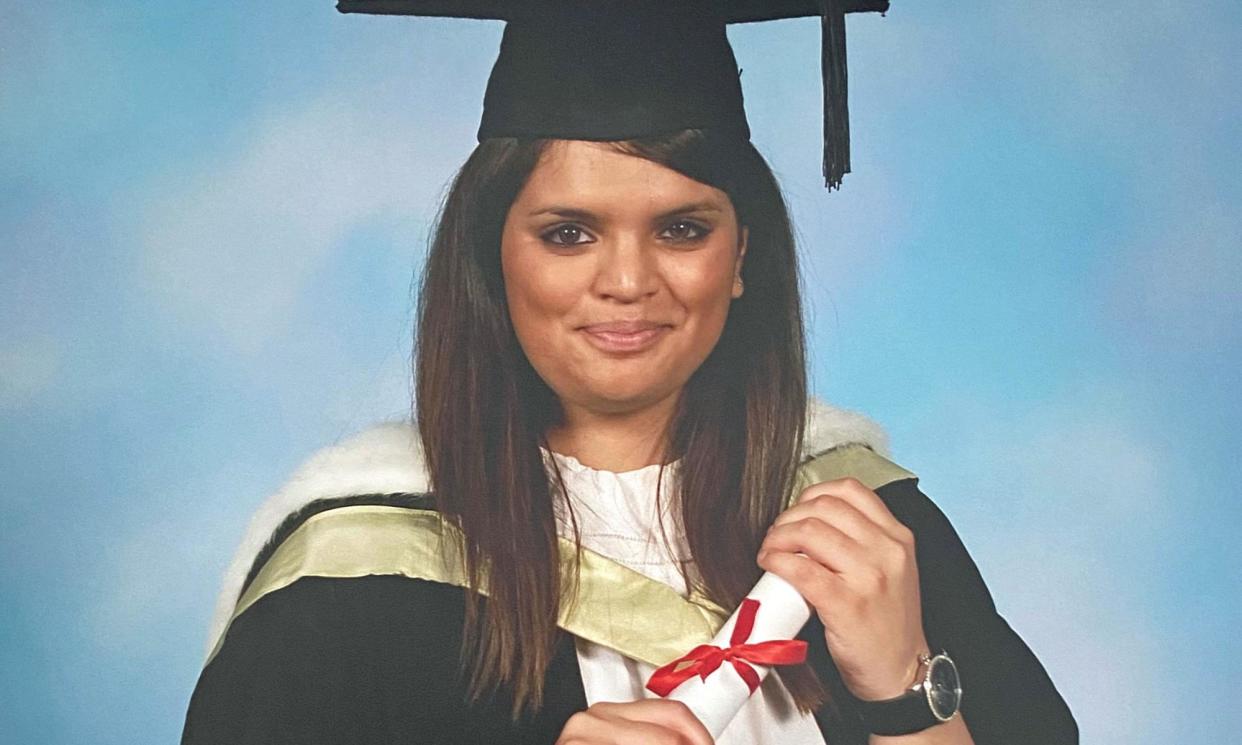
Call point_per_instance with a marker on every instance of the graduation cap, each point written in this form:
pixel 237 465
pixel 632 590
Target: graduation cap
pixel 620 69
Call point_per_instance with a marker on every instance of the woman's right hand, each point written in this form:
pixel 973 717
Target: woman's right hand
pixel 656 721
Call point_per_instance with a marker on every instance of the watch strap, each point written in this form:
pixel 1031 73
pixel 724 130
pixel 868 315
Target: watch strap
pixel 902 715
pixel 913 711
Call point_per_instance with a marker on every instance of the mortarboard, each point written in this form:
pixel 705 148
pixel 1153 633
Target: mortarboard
pixel 621 69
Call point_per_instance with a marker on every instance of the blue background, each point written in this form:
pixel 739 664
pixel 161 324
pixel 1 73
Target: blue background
pixel 211 215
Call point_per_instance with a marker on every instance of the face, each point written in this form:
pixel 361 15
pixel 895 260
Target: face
pixel 601 237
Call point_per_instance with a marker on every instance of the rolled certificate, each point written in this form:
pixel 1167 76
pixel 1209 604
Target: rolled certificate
pixel 715 680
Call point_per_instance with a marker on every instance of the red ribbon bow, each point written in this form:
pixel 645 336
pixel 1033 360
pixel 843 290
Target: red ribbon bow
pixel 705 658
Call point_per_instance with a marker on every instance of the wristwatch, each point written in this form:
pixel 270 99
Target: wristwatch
pixel 934 699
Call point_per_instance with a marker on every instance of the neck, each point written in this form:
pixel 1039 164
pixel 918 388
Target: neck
pixel 613 440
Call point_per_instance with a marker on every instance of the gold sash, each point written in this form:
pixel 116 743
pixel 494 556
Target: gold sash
pixel 615 606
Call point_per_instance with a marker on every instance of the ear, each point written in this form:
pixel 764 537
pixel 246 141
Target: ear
pixel 737 265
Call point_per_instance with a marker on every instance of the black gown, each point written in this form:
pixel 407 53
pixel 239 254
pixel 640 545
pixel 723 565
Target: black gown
pixel 372 660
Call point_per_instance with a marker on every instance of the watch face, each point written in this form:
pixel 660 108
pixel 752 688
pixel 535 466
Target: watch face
pixel 945 690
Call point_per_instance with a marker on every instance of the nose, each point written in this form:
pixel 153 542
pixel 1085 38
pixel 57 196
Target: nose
pixel 627 268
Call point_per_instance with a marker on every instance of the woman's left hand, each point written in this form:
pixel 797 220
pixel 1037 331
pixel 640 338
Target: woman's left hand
pixel 859 574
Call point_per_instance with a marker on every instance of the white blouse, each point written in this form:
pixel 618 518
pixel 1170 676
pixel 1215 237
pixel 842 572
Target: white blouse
pixel 616 515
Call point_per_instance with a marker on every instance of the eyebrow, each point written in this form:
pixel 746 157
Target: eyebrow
pixel 577 213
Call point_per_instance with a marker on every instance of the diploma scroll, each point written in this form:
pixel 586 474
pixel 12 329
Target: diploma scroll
pixel 715 680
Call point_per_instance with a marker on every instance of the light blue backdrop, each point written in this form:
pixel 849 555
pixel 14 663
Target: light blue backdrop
pixel 211 214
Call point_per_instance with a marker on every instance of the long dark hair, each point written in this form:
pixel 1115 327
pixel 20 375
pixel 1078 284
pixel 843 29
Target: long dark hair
pixel 483 411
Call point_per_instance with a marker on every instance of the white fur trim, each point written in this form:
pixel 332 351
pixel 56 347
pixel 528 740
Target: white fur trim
pixel 387 458
pixel 828 427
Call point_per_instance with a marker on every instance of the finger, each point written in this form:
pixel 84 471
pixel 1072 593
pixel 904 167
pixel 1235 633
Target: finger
pixel 664 713
pixel 579 729
pixel 610 730
pixel 825 544
pixel 865 500
pixel 814 582
pixel 629 731
pixel 893 551
pixel 839 513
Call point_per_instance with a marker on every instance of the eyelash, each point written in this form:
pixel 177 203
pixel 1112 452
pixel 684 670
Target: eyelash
pixel 702 230
pixel 697 227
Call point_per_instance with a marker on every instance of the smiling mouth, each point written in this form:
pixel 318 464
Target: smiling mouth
pixel 612 341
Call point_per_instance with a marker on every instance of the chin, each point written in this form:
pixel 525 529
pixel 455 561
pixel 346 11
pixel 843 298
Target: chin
pixel 626 396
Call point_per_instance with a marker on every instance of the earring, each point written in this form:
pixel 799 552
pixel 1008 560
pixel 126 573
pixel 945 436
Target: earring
pixel 741 287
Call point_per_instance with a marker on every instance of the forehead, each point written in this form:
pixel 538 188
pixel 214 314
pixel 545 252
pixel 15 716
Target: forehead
pixel 577 172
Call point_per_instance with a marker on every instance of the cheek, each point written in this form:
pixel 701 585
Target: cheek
pixel 708 312
pixel 538 297
pixel 705 289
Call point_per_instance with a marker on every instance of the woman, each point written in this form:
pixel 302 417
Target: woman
pixel 610 349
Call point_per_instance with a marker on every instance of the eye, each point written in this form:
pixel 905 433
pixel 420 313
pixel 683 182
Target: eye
pixel 567 234
pixel 686 230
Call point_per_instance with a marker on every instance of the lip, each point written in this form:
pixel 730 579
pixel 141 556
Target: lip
pixel 622 327
pixel 634 341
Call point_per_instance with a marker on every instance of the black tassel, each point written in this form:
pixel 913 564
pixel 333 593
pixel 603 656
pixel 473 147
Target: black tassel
pixel 836 104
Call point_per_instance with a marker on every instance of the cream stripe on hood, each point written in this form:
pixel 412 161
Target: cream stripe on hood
pixel 387 458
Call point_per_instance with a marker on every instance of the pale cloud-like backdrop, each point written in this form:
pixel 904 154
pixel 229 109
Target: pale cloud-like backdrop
pixel 213 216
